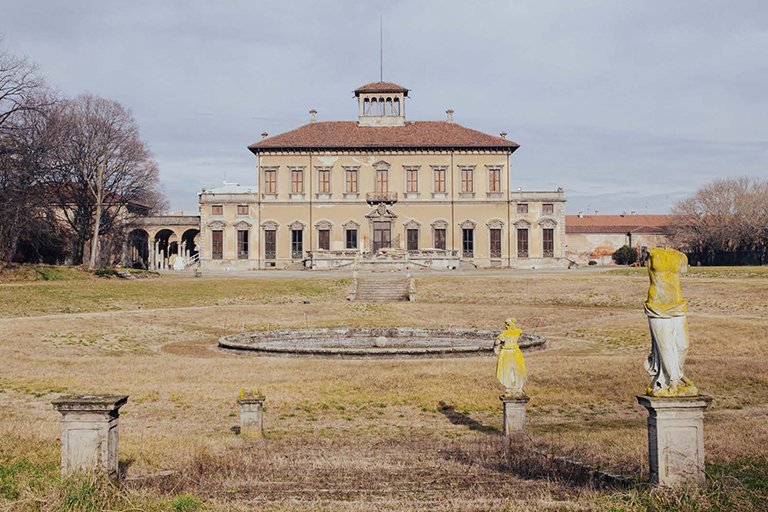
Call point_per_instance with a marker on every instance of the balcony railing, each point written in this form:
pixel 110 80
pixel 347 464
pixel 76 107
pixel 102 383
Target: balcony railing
pixel 381 197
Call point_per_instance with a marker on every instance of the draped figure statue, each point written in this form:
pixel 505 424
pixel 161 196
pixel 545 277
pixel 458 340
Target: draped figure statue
pixel 666 311
pixel 510 366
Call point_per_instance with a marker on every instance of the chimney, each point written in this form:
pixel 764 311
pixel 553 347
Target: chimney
pixel 449 114
pixel 313 116
pixel 503 135
pixel 264 135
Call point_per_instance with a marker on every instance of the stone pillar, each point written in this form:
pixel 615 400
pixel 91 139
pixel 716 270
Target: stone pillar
pixel 676 439
pixel 89 432
pixel 513 422
pixel 251 416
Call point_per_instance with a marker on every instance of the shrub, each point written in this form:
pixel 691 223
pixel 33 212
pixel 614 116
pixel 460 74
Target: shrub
pixel 624 255
pixel 186 503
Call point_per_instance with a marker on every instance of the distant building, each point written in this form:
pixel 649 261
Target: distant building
pixel 596 237
pixel 378 190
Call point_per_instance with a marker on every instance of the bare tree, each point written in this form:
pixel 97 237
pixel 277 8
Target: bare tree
pixel 726 221
pixel 103 167
pixel 24 150
pixel 20 84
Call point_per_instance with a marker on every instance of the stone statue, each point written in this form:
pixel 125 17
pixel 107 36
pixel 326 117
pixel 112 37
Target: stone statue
pixel 666 310
pixel 510 366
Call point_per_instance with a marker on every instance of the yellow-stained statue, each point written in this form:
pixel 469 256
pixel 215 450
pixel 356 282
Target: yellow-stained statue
pixel 666 311
pixel 510 366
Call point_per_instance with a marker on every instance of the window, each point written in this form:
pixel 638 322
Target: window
pixel 324 181
pixel 217 209
pixel 467 181
pixel 217 244
pixel 382 180
pixel 412 181
pixel 351 239
pixel 351 180
pixel 270 181
pixel 494 179
pixel 495 243
pixel 297 181
pixel 547 208
pixel 548 242
pixel 440 238
pixel 242 209
pixel 324 239
pixel 522 243
pixel 522 207
pixel 297 244
pixel 242 244
pixel 468 242
pixel 270 244
pixel 439 177
pixel 412 239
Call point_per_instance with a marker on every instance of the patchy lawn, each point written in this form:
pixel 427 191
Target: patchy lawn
pixel 413 434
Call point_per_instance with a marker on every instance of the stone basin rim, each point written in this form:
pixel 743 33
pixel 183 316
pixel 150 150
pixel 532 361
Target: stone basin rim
pixel 471 342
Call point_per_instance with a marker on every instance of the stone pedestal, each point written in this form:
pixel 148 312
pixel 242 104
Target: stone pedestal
pixel 89 429
pixel 252 417
pixel 513 422
pixel 676 439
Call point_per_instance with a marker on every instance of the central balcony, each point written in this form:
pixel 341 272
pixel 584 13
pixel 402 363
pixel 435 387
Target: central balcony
pixel 381 197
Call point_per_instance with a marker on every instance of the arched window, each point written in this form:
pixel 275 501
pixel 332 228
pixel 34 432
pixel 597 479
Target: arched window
pixel 388 111
pixel 396 107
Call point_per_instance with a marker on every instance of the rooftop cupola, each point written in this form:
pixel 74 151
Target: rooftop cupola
pixel 381 104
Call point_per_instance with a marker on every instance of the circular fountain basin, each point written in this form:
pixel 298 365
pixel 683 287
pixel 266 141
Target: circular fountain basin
pixel 372 342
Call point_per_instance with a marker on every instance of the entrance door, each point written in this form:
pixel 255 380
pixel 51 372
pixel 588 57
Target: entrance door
pixel 382 235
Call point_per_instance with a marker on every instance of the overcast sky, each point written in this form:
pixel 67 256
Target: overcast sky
pixel 628 105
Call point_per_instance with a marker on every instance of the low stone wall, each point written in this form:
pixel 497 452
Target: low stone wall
pixel 364 342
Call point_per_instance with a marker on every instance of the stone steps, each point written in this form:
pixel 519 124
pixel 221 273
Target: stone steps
pixel 382 289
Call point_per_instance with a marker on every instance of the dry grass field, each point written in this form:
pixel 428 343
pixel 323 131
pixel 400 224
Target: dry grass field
pixel 355 435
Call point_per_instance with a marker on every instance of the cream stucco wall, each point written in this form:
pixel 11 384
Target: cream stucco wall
pixel 229 222
pixel 421 210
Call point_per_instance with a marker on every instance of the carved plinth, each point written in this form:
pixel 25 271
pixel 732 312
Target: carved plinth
pixel 89 432
pixel 252 417
pixel 676 439
pixel 513 422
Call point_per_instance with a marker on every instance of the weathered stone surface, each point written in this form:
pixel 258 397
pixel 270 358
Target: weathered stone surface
pixel 252 417
pixel 676 439
pixel 510 366
pixel 401 341
pixel 89 432
pixel 513 422
pixel 666 310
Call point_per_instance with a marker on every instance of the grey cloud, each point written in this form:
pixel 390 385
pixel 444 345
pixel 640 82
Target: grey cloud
pixel 622 103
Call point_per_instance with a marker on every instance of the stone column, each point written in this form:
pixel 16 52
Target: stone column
pixel 513 422
pixel 251 416
pixel 89 432
pixel 676 439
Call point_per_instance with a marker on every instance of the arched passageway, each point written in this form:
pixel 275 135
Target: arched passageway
pixel 189 249
pixel 165 249
pixel 137 249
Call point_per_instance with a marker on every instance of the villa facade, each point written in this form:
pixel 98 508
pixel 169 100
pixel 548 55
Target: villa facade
pixel 432 194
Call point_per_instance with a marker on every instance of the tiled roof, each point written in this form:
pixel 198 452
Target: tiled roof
pixel 380 87
pixel 617 223
pixel 348 135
